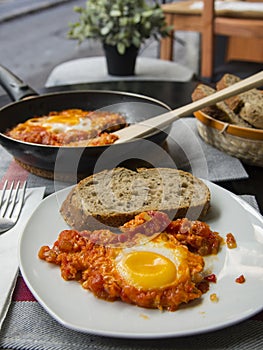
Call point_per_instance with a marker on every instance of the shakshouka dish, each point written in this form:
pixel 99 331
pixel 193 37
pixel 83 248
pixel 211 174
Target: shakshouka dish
pixel 71 127
pixel 152 262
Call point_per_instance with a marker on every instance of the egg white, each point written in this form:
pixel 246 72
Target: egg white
pixel 83 124
pixel 62 124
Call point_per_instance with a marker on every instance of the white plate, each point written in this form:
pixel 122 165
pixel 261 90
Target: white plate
pixel 78 309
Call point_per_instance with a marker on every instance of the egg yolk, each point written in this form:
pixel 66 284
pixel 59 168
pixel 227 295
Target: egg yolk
pixel 147 270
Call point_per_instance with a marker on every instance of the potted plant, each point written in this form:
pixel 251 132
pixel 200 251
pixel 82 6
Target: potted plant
pixel 121 26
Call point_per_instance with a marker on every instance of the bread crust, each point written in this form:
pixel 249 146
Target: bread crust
pixel 112 197
pixel 234 103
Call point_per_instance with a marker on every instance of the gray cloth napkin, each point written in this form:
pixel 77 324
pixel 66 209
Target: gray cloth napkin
pixel 29 327
pixel 251 200
pixel 191 153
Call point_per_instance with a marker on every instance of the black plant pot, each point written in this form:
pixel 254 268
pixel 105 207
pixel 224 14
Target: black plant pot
pixel 121 65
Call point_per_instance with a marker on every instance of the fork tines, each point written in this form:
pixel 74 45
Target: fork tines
pixel 12 199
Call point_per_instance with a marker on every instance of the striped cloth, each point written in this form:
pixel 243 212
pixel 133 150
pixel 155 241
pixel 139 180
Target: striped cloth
pixel 11 170
pixel 29 327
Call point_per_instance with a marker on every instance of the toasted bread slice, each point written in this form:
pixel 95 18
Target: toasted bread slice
pixel 113 197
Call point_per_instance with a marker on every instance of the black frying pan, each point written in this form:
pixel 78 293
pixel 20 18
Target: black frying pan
pixel 46 160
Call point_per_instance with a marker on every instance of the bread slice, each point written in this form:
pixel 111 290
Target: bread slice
pixel 113 197
pixel 249 104
pixel 220 110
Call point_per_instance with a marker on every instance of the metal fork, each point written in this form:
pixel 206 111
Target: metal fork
pixel 11 203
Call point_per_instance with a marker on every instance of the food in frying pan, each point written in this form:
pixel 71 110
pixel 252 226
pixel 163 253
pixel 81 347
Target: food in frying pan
pixel 245 109
pixel 160 272
pixel 71 127
pixel 113 197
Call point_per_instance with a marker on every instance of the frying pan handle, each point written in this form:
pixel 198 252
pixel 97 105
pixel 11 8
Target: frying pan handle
pixel 15 87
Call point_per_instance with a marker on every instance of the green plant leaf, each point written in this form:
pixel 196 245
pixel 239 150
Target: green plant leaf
pixel 121 48
pixel 137 18
pixel 136 41
pixel 148 13
pixel 106 30
pixel 123 21
pixel 115 13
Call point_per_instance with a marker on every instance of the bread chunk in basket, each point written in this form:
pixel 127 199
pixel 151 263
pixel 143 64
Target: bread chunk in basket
pixel 244 110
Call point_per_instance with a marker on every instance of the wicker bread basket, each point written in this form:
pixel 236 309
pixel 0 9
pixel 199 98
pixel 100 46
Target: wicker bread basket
pixel 243 143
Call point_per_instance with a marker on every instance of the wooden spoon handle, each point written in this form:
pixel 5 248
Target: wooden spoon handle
pixel 149 125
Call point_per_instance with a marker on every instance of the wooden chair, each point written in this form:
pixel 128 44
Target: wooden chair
pixel 232 22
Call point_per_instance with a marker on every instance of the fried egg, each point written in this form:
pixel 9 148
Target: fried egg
pixel 72 127
pixel 58 125
pixel 62 122
pixel 154 265
pixel 159 274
